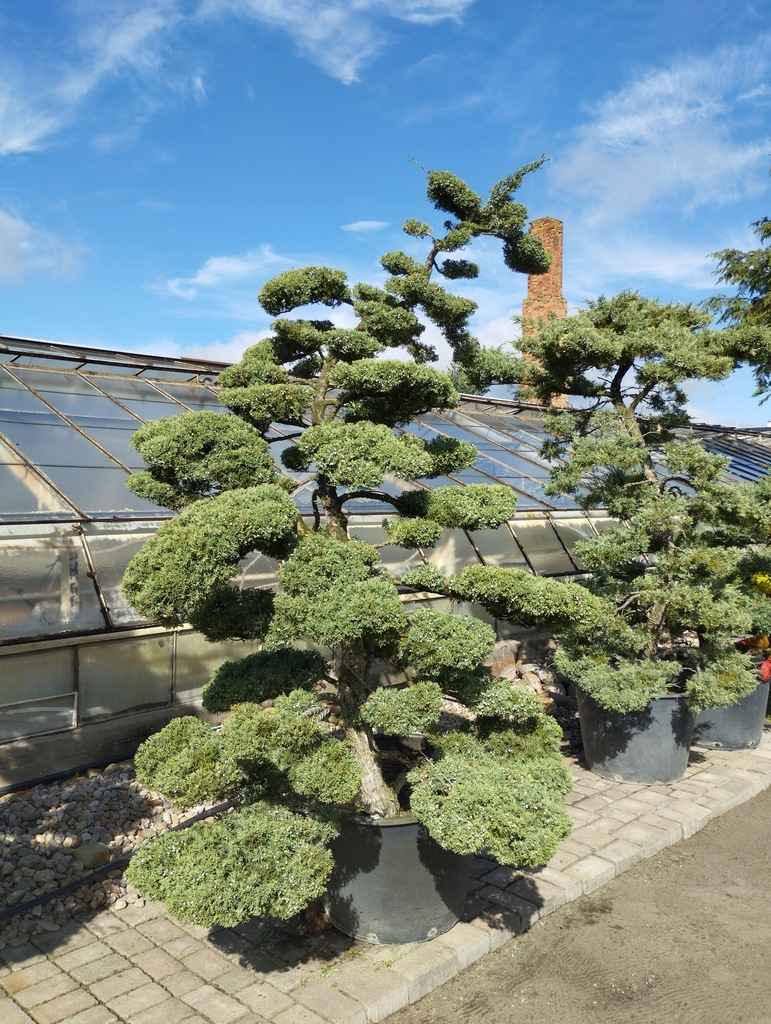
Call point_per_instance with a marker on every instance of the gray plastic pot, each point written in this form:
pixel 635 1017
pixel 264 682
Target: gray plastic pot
pixel 647 747
pixel 738 727
pixel 393 883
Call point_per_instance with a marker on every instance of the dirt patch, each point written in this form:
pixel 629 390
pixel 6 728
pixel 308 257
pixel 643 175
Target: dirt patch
pixel 684 937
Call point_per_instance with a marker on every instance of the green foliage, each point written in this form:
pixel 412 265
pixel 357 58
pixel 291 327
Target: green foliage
pixel 198 552
pixel 401 711
pixel 476 507
pixel 263 860
pixel 227 613
pixel 263 404
pixel 258 677
pixel 195 455
pixel 391 391
pixel 438 641
pixel 303 287
pixel 412 533
pixel 470 799
pixel 184 761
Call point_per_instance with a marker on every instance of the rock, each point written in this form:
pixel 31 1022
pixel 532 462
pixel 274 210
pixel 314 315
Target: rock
pixel 92 855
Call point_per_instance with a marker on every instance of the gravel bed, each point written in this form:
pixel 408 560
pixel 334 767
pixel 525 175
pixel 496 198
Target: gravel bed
pixel 43 828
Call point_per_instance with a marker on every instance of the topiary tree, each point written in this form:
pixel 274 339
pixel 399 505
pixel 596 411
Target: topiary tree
pixel 310 724
pixel 681 574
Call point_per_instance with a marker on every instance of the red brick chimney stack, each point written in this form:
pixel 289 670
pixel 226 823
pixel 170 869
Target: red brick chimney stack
pixel 544 291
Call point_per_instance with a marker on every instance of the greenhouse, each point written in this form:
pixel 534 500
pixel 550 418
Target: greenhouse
pixel 83 677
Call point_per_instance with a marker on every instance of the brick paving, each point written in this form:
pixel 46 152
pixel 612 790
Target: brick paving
pixel 139 966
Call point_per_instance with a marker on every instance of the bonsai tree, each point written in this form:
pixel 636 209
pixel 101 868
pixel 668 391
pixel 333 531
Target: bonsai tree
pixel 680 565
pixel 311 727
pixel 680 576
pixel 747 313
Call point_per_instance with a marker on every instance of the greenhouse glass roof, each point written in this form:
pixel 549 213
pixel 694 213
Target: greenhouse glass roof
pixel 69 525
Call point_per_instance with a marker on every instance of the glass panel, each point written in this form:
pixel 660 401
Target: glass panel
pixel 453 551
pixel 571 528
pixel 37 716
pixel 257 572
pixel 144 400
pixel 397 560
pixel 36 674
pixel 117 441
pixel 44 583
pixel 15 397
pixel 541 545
pixel 195 396
pixel 72 395
pixel 601 522
pixel 100 490
pixel 498 547
pixel 112 547
pixel 53 444
pixel 23 491
pixel 196 661
pixel 124 675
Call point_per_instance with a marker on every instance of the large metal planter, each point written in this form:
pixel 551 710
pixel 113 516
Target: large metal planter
pixel 738 727
pixel 393 883
pixel 646 747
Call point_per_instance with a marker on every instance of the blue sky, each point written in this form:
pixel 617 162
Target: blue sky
pixel 160 159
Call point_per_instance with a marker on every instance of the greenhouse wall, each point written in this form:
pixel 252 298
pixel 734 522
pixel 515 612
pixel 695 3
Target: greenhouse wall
pixel 83 677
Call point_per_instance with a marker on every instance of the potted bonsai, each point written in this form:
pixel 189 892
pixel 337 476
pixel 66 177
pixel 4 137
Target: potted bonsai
pixel 678 564
pixel 674 582
pixel 338 774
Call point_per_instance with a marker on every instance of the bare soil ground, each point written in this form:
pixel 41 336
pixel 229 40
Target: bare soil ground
pixel 684 937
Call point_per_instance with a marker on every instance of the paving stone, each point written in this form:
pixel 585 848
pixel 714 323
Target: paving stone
pixel 328 1003
pixel 129 943
pixel 299 1015
pixel 45 990
pixel 156 963
pixel 571 888
pixel 590 838
pixel 581 816
pixel 217 1006
pixel 688 814
pixel 15 981
pixel 105 924
pixel 623 854
pixel 592 871
pixel 207 964
pixel 501 876
pixel 13 1014
pixel 527 912
pixel 647 837
pixel 97 970
pixel 264 999
pixel 380 992
pixel 68 938
pixel 138 999
pixel 499 925
pixel 62 1007
pixel 538 890
pixel 467 942
pixel 93 1015
pixel 162 931
pixel 110 988
pixel 595 802
pixel 183 945
pixel 135 914
pixel 181 982
pixel 426 968
pixel 170 1011
pixel 89 954
pixel 234 980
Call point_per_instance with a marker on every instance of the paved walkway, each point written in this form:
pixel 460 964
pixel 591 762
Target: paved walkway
pixel 139 966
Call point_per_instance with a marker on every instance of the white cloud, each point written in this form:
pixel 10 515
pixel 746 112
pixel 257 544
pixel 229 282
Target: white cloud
pixel 42 95
pixel 365 226
pixel 672 138
pixel 222 272
pixel 25 249
pixel 339 36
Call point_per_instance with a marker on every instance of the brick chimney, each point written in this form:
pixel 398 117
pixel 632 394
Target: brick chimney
pixel 544 291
